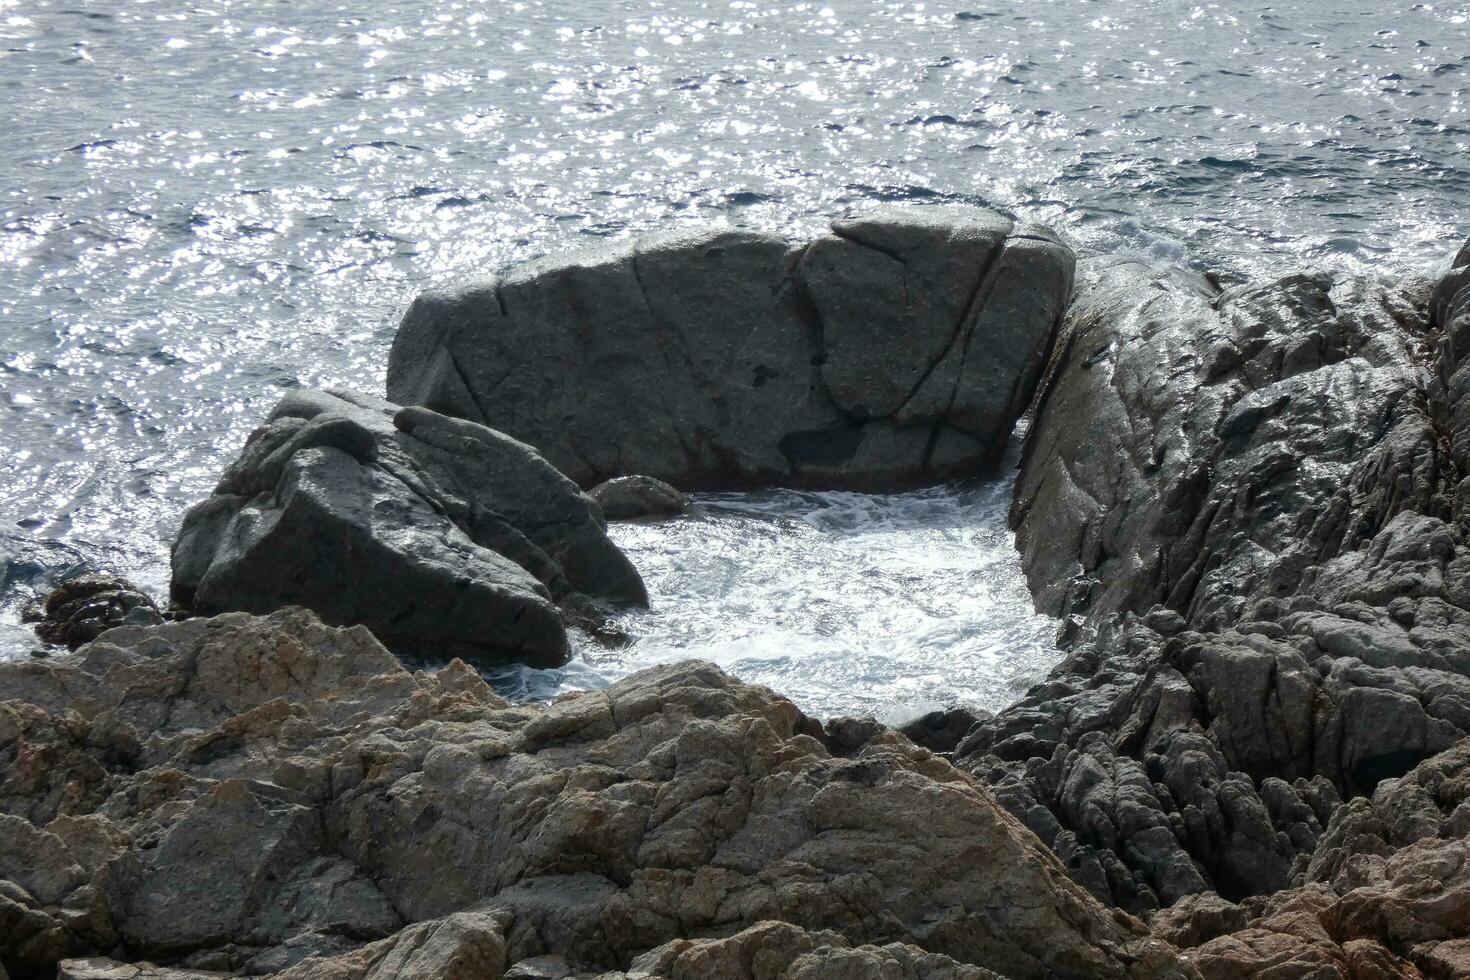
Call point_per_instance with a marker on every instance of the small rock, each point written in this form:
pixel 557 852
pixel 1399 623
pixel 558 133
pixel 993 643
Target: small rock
pixel 1165 621
pixel 941 731
pixel 540 968
pixel 82 609
pixel 846 736
pixel 629 498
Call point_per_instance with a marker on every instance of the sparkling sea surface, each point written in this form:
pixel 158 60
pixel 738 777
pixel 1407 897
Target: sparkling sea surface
pixel 207 204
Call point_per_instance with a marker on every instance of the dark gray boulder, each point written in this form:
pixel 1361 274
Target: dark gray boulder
pixel 897 350
pixel 631 498
pixel 443 537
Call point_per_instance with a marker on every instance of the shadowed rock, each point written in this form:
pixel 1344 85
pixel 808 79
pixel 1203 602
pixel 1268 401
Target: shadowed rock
pixel 443 537
pixel 895 351
pixel 631 498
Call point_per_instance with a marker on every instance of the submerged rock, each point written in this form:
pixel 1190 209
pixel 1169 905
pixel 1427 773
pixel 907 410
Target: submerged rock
pixel 81 609
pixel 629 498
pixel 247 794
pixel 443 537
pixel 897 350
pixel 31 564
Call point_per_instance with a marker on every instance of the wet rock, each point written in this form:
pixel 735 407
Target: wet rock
pixel 83 608
pixel 442 536
pixel 941 731
pixel 630 498
pixel 897 350
pixel 273 794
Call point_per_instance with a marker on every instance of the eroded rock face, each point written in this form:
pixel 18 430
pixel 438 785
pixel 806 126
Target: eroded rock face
pixel 896 351
pixel 1201 450
pixel 445 538
pixel 244 793
pixel 1249 507
pixel 1385 894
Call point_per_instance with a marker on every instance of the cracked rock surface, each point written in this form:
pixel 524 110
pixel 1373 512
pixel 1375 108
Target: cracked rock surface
pixel 1249 505
pixel 273 795
pixel 897 350
pixel 443 537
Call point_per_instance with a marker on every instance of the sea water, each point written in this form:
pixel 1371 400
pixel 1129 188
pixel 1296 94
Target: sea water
pixel 208 204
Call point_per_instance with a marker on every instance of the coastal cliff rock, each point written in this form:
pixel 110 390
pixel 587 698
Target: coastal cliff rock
pixel 445 538
pixel 1249 506
pixel 1386 892
pixel 897 350
pixel 272 794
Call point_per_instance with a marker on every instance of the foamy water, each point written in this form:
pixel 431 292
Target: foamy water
pixel 847 603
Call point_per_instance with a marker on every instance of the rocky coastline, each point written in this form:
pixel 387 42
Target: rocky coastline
pixel 1248 507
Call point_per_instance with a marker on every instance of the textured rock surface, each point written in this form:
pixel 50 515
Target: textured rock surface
pixel 244 793
pixel 1249 507
pixel 1386 893
pixel 896 350
pixel 627 498
pixel 443 537
pixel 463 948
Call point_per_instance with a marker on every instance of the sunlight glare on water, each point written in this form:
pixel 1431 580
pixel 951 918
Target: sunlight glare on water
pixel 208 204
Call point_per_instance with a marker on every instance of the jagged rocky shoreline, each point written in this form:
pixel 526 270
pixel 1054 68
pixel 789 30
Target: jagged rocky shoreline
pixel 1248 506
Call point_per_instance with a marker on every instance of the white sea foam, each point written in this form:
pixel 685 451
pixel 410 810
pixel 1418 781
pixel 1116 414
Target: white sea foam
pixel 847 603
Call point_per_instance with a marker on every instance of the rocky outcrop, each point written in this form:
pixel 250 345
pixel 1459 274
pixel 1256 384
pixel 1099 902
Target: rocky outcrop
pixel 1385 894
pixel 765 951
pixel 445 538
pixel 895 351
pixel 1248 506
pixel 631 498
pixel 245 794
pixel 1200 450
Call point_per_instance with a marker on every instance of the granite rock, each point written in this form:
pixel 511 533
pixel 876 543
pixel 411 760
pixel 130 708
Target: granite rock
pixel 897 350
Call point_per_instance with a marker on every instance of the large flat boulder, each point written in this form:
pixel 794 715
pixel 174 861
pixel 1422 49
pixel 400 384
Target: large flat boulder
pixel 445 538
pixel 272 794
pixel 897 350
